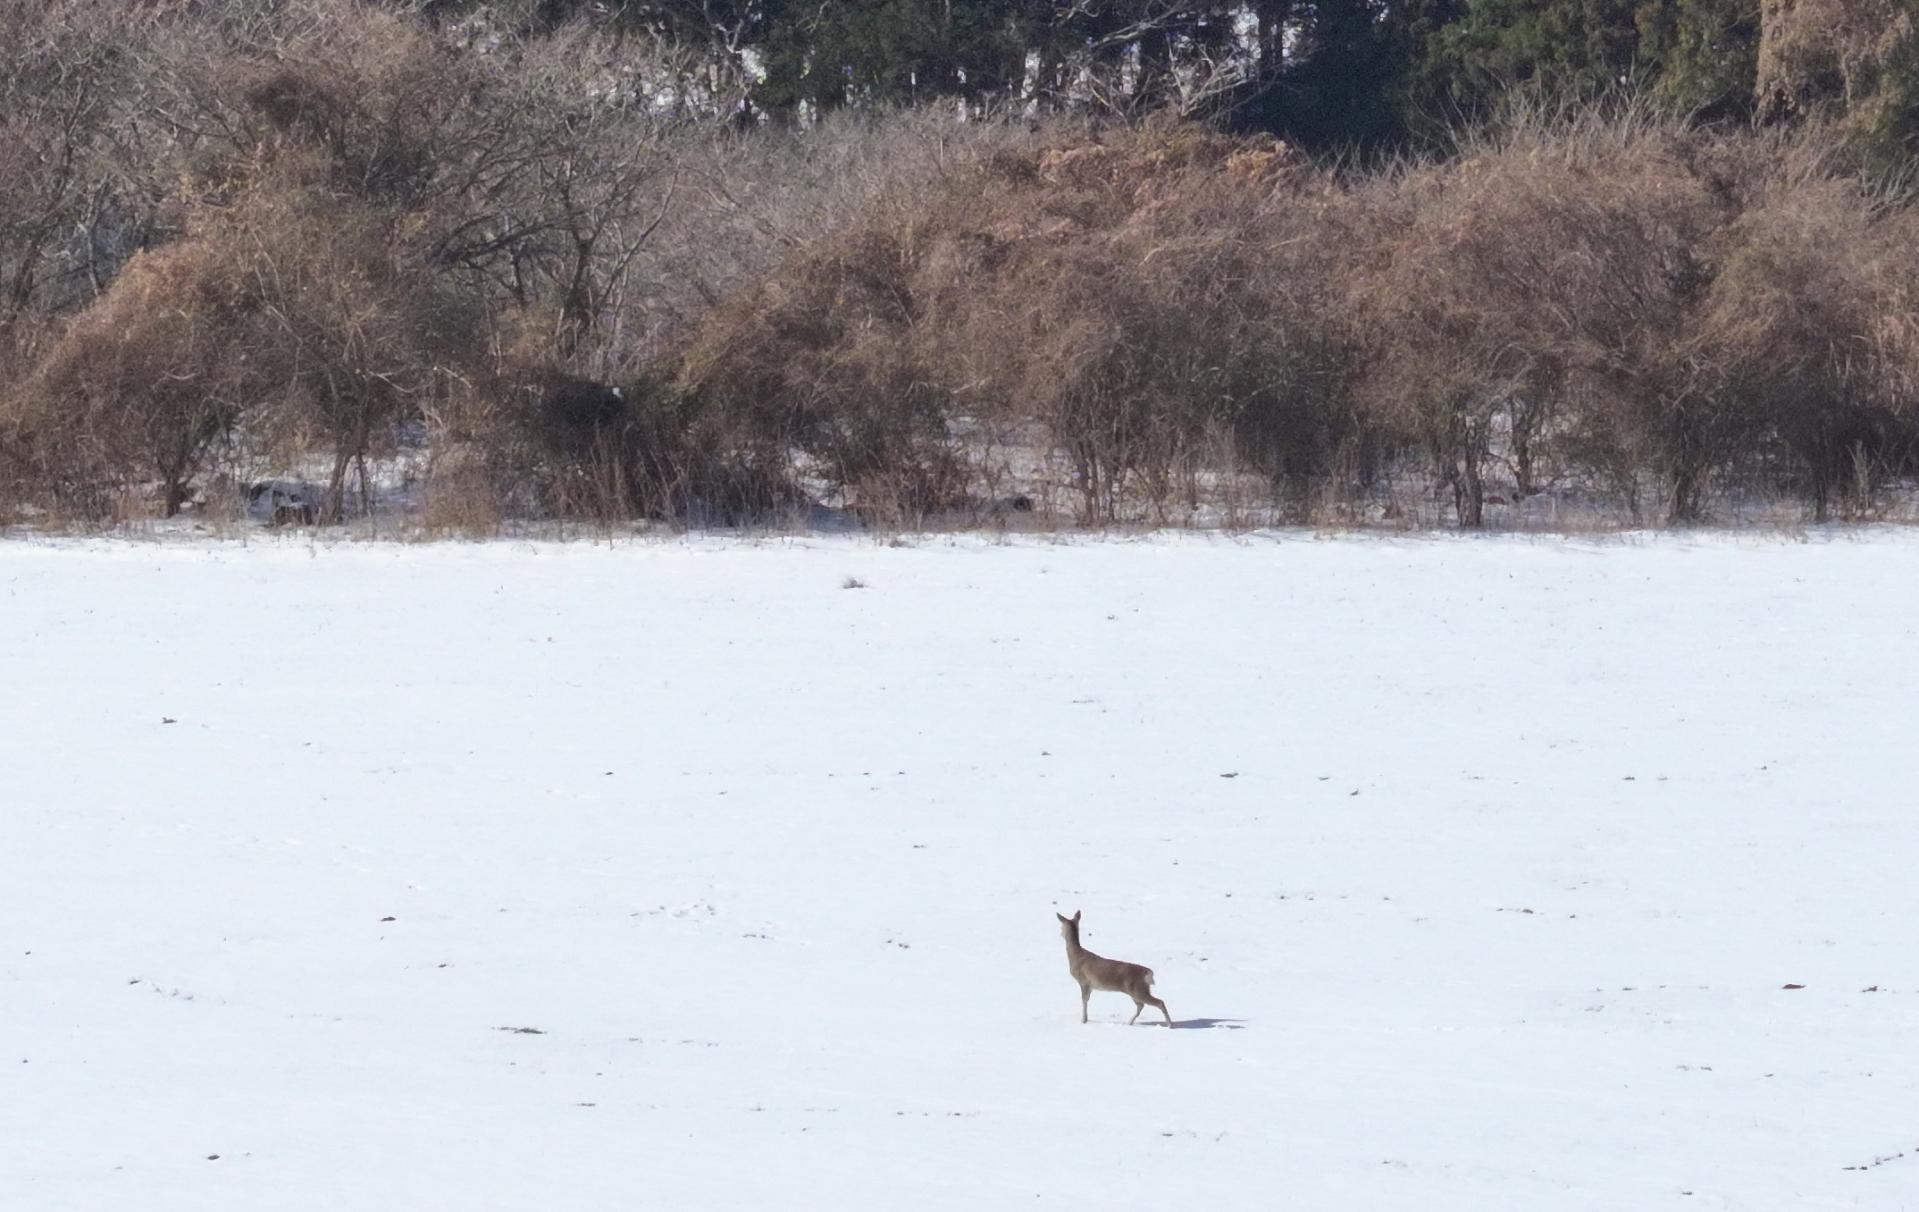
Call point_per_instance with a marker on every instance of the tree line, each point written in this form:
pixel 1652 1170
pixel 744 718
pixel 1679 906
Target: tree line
pixel 1130 261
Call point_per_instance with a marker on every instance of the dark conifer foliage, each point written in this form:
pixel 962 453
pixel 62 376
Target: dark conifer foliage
pixel 1346 74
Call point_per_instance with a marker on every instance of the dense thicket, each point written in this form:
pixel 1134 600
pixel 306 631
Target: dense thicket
pixel 717 262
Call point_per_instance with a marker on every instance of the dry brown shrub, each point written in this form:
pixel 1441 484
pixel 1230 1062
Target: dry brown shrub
pixel 752 201
pixel 378 200
pixel 283 315
pixel 64 97
pixel 1533 302
pixel 1626 307
pixel 1810 322
pixel 142 387
pixel 818 361
pixel 461 499
pixel 1142 294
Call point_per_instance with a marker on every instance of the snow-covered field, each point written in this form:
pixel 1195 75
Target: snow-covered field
pixel 1478 874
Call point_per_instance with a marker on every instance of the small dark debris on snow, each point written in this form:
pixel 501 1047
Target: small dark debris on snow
pixel 167 719
pixel 389 919
pixel 1792 986
pixel 521 1030
pixel 1877 1161
pixel 1231 774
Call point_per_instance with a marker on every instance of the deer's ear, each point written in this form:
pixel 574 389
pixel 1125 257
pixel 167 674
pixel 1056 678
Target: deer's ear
pixel 1061 916
pixel 1075 918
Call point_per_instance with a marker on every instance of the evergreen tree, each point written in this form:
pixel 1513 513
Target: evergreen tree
pixel 885 52
pixel 1695 56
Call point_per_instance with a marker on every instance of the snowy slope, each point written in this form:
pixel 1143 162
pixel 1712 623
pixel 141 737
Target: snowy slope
pixel 1522 843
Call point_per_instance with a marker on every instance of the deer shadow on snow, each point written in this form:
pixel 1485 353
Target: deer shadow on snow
pixel 1186 1024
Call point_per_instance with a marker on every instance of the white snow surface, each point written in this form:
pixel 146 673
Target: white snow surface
pixel 1475 873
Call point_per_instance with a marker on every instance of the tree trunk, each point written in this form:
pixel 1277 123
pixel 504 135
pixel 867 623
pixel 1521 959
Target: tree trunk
pixel 334 507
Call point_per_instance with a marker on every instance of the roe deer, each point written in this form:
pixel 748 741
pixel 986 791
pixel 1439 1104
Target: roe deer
pixel 1115 976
